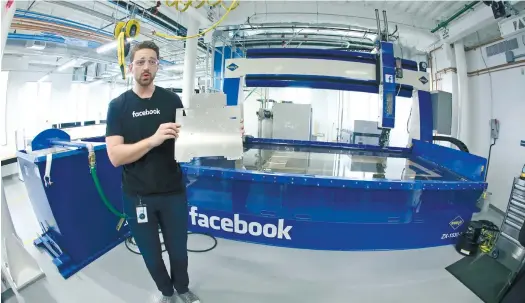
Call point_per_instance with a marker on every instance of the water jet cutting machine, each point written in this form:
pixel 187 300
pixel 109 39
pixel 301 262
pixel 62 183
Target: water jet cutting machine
pixel 325 195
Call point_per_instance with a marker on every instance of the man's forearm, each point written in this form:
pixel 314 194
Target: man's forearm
pixel 128 153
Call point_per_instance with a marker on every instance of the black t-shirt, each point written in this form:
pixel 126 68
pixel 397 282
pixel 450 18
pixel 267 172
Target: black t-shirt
pixel 135 119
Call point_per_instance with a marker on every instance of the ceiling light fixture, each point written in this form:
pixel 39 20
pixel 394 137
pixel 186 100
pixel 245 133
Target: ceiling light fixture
pixel 67 65
pixel 179 68
pixel 44 78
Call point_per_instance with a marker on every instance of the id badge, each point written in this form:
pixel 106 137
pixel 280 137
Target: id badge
pixel 142 214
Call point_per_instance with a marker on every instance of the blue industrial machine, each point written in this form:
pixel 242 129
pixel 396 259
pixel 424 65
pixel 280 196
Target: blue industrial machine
pixel 328 196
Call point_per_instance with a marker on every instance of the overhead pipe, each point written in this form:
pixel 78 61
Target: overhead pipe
pixel 341 45
pixel 62 21
pixel 83 9
pixel 331 16
pixel 63 52
pixel 295 41
pixel 158 18
pixel 26 23
pixel 455 16
pixel 326 27
pixel 105 17
pixel 497 68
pixel 386 25
pixel 279 35
pixel 378 24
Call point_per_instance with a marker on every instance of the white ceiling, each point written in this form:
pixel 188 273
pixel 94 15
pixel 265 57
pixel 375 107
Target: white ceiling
pixel 336 24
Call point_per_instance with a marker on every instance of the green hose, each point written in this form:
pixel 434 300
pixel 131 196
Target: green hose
pixel 94 175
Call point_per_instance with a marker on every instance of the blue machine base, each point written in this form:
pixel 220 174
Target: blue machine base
pixel 330 236
pixel 65 265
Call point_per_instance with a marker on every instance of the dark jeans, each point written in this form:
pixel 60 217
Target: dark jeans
pixel 170 212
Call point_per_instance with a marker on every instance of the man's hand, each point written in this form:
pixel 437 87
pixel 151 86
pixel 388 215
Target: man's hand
pixel 166 131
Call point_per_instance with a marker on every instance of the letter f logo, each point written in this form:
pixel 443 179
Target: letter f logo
pixel 193 215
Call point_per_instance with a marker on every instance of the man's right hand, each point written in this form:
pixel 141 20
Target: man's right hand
pixel 164 132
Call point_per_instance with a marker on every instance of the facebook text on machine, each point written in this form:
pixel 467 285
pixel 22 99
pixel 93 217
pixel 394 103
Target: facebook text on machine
pixel 238 226
pixel 146 112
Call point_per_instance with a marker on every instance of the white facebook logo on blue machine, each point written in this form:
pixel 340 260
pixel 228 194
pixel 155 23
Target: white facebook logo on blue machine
pixel 239 226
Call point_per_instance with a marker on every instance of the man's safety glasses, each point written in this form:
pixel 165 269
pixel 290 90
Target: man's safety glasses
pixel 141 62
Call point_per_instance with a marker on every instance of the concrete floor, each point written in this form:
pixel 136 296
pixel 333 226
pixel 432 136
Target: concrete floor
pixel 239 272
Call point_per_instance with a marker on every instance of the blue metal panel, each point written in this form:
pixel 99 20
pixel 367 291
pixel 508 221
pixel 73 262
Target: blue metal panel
pixel 311 54
pixel 338 55
pixel 388 109
pixel 320 82
pixel 316 217
pixel 425 116
pixel 83 228
pixel 464 164
pixel 43 139
pixel 218 63
pixel 409 65
pixel 231 89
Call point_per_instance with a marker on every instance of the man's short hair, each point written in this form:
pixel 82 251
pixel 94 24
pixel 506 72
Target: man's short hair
pixel 144 45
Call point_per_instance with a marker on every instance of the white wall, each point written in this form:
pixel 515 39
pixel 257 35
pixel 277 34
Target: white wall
pixel 32 106
pixel 500 95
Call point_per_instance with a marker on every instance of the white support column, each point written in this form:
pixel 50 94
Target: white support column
pixel 464 102
pixel 414 120
pixel 8 10
pixel 190 63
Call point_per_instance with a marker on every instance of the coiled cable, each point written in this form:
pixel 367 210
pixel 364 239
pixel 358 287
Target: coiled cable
pixel 130 242
pixel 462 146
pixel 123 217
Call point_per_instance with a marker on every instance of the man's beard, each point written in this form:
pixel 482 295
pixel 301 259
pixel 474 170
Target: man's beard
pixel 145 82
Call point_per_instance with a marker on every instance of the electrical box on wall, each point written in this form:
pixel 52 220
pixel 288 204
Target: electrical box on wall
pixel 442 112
pixel 494 128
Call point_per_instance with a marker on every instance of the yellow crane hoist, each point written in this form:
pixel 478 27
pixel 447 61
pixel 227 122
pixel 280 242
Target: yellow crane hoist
pixel 124 31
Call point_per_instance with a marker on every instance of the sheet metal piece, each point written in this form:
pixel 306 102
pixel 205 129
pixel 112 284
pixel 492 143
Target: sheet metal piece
pixel 208 100
pixel 209 132
pixel 292 121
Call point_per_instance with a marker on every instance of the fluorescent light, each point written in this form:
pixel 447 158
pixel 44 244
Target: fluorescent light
pixel 110 46
pixel 107 47
pixel 96 82
pixel 43 79
pixel 67 65
pixel 179 68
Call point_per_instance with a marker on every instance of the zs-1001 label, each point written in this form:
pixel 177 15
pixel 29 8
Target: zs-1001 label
pixel 448 236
